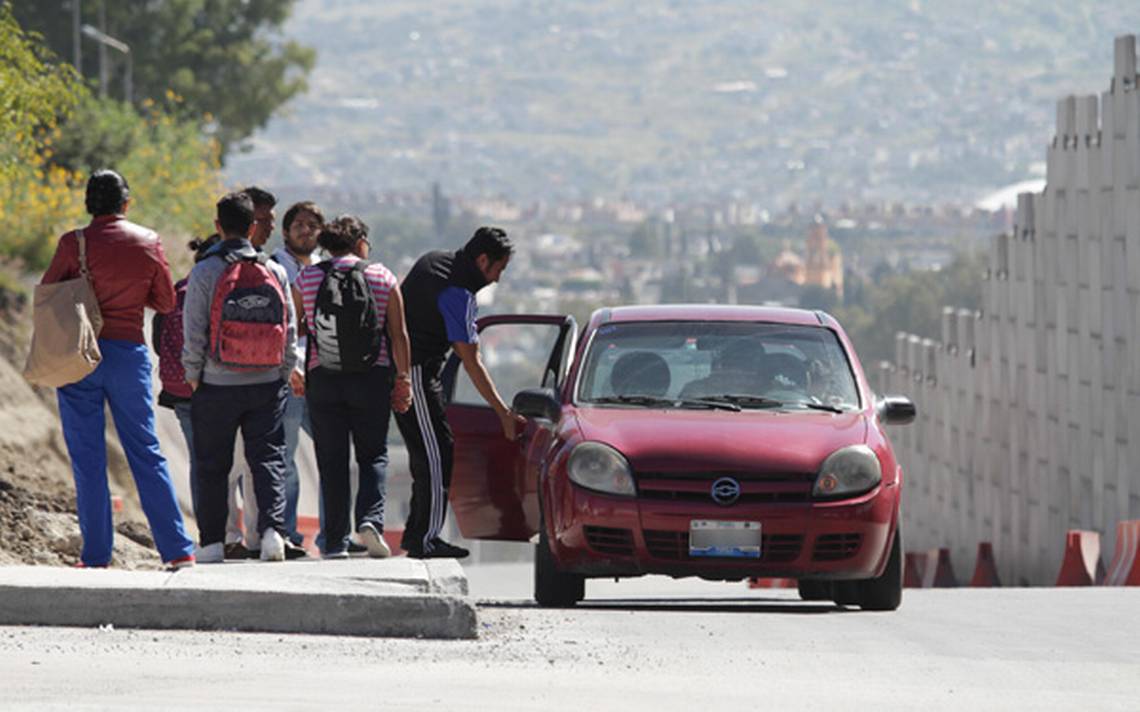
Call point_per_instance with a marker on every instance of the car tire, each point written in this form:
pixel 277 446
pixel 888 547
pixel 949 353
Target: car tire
pixel 884 593
pixel 845 593
pixel 814 590
pixel 554 588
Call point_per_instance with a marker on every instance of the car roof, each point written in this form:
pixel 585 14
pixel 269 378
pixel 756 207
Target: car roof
pixel 713 312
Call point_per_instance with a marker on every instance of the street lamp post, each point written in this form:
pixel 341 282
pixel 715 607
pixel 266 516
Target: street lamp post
pixel 108 41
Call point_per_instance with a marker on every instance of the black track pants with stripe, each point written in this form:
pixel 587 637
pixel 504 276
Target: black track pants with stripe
pixel 430 446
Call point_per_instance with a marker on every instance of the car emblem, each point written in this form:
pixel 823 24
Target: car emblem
pixel 725 491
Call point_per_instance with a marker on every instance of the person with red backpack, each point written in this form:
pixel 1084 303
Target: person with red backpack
pixel 166 338
pixel 239 335
pixel 354 317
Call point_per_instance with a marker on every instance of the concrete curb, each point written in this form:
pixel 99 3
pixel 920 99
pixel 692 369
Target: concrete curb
pixel 391 598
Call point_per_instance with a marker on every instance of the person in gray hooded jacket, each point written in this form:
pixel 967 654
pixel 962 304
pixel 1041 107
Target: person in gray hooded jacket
pixel 237 383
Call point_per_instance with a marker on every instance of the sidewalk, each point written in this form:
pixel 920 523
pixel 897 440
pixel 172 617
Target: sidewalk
pixel 397 597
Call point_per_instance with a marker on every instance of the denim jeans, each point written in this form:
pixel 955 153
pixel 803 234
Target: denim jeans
pixel 182 412
pixel 296 420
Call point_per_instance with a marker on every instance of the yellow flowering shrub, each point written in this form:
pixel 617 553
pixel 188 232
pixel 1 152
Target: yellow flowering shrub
pixel 172 167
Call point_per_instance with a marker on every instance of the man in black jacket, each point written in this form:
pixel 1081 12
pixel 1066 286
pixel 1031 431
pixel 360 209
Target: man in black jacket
pixel 440 312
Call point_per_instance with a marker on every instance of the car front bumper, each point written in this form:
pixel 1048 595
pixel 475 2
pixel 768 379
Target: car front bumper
pixel 599 535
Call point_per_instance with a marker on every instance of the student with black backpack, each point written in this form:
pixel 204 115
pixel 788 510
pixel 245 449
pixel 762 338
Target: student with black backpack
pixel 354 317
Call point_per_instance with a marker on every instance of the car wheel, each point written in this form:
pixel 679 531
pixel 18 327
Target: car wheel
pixel 554 588
pixel 814 590
pixel 885 592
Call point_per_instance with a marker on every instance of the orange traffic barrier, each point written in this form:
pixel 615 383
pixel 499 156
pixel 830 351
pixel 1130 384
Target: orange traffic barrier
pixel 1125 567
pixel 985 568
pixel 943 576
pixel 771 582
pixel 913 569
pixel 392 538
pixel 1081 565
pixel 309 527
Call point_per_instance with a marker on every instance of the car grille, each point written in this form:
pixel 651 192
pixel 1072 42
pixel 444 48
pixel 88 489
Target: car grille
pixel 834 547
pixel 697 486
pixel 675 546
pixel 607 540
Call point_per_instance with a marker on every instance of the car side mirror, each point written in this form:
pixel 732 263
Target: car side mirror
pixel 896 410
pixel 537 403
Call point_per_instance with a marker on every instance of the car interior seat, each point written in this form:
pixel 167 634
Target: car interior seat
pixel 640 373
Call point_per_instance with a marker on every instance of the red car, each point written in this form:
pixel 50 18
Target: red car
pixel 723 442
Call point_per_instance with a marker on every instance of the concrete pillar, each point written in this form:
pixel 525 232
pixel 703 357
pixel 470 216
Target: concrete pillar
pixel 1065 166
pixel 1088 143
pixel 1124 64
pixel 1107 138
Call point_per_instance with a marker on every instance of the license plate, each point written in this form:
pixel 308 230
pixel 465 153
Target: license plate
pixel 708 537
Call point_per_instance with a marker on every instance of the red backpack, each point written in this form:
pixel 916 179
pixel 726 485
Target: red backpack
pixel 167 340
pixel 248 319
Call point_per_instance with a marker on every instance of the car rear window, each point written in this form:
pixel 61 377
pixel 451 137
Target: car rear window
pixel 792 364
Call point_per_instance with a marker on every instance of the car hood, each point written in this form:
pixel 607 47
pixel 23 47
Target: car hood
pixel 757 441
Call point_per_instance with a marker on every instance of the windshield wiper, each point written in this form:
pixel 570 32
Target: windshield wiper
pixel 634 400
pixel 670 402
pixel 822 406
pixel 745 401
pixel 708 403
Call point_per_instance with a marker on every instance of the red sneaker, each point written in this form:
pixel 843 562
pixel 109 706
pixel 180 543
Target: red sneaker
pixel 81 565
pixel 184 562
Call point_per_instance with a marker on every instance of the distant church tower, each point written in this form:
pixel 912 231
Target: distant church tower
pixel 823 266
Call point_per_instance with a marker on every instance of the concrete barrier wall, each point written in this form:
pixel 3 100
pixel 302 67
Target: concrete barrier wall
pixel 1028 409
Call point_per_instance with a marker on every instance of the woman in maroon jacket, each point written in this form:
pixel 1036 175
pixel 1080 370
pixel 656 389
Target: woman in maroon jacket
pixel 129 273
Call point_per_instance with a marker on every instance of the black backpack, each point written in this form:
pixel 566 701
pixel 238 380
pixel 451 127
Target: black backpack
pixel 346 329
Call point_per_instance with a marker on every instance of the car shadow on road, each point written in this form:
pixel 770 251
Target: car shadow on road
pixel 692 605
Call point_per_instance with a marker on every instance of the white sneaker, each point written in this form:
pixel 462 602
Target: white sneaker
pixel 272 546
pixel 374 540
pixel 211 553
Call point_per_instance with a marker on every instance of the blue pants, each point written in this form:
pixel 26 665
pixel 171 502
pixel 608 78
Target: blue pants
pixel 296 420
pixel 350 407
pixel 217 412
pixel 122 380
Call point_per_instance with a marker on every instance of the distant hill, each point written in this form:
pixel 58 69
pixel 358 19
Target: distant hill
pixel 774 102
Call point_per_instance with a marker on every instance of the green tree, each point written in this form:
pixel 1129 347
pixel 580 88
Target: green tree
pixel 219 60
pixel 910 302
pixel 34 93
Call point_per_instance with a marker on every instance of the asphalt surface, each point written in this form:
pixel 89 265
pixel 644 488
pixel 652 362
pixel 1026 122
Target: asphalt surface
pixel 645 644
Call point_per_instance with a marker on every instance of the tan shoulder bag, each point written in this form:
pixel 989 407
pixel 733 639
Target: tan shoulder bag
pixel 66 326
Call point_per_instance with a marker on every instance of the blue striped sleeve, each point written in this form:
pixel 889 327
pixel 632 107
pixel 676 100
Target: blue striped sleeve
pixel 457 306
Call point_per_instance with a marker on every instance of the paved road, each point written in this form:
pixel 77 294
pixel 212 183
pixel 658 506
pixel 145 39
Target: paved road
pixel 648 644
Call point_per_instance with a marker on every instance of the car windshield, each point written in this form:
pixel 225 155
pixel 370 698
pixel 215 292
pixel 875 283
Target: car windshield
pixel 746 365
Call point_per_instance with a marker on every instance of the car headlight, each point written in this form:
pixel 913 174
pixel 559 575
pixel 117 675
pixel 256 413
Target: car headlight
pixel 599 467
pixel 847 472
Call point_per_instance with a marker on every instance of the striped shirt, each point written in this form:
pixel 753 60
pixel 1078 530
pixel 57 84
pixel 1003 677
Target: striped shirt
pixel 380 279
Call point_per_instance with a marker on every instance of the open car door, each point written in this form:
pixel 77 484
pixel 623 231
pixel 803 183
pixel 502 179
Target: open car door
pixel 494 491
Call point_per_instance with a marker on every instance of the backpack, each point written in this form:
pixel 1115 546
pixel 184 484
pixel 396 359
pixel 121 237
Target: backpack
pixel 166 336
pixel 346 329
pixel 248 318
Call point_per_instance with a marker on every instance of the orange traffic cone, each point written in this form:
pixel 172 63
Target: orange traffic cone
pixel 985 569
pixel 1081 565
